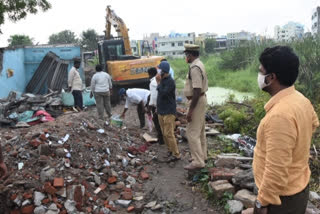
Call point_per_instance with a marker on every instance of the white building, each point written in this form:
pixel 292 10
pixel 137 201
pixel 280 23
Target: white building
pixel 238 38
pixel 315 20
pixel 172 45
pixel 288 32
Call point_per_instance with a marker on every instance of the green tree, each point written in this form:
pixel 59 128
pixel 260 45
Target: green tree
pixel 17 39
pixel 89 40
pixel 63 37
pixel 210 44
pixel 18 9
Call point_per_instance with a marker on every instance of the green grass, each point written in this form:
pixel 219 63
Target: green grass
pixel 241 80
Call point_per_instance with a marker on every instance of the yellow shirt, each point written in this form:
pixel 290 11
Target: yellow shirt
pixel 280 163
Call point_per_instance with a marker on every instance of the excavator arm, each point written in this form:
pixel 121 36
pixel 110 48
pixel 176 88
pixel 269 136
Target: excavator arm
pixel 113 20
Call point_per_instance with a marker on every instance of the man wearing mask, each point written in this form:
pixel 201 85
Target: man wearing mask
pixel 280 163
pixel 166 109
pixel 195 88
pixel 75 85
pixel 153 102
pixel 101 86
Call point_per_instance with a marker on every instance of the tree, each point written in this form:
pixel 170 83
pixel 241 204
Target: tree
pixel 64 37
pixel 17 39
pixel 18 9
pixel 89 40
pixel 210 44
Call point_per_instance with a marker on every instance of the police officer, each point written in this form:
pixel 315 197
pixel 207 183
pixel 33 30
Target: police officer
pixel 195 88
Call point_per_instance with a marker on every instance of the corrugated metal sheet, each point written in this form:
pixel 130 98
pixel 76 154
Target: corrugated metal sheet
pixel 52 73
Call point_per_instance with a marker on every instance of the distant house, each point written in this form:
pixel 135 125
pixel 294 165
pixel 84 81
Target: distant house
pixel 315 19
pixel 289 32
pixel 170 45
pixel 239 38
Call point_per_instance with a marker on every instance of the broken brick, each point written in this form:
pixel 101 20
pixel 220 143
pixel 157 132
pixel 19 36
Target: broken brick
pixel 46 201
pixel 130 209
pixel 43 137
pixel 58 182
pixel 27 209
pixel 35 142
pixel 112 180
pixel 27 195
pixel 49 189
pixel 144 175
pixel 127 195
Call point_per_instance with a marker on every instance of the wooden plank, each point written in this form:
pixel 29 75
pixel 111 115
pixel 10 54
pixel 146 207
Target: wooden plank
pixel 148 138
pixel 212 132
pixel 239 158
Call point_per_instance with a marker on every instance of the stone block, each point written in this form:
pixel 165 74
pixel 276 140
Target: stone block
pixel 246 197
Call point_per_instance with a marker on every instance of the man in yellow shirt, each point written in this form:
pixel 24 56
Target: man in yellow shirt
pixel 280 163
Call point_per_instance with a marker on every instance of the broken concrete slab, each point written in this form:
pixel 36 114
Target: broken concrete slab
pixel 246 197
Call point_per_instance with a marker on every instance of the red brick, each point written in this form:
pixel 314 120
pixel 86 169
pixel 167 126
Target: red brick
pixel 59 205
pixel 144 175
pixel 15 212
pixel 89 209
pixel 27 195
pixel 127 195
pixel 58 182
pixel 112 180
pixel 46 201
pixel 49 188
pixel 27 209
pixel 103 186
pixel 221 174
pixel 43 137
pixel 130 209
pixel 35 142
pixel 78 197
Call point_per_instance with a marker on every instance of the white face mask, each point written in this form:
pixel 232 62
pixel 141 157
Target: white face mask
pixel 261 80
pixel 159 71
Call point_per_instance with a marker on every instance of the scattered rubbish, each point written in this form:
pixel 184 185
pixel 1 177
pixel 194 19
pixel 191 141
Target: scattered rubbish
pixel 148 138
pixel 101 131
pixel 244 143
pixel 66 138
pixel 116 121
pixel 20 166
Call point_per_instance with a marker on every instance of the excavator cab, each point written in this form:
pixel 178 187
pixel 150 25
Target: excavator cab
pixel 112 50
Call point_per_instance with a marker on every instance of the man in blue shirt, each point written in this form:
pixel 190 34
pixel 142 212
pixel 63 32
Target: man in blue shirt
pixel 166 108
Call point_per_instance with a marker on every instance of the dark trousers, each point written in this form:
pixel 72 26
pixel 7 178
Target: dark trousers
pixel 141 111
pixel 157 125
pixel 294 204
pixel 77 96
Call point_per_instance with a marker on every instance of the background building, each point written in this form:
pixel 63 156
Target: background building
pixel 201 38
pixel 288 32
pixel 315 20
pixel 239 38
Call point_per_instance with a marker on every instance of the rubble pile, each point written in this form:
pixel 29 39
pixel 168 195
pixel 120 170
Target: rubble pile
pixel 21 112
pixel 74 165
pixel 233 174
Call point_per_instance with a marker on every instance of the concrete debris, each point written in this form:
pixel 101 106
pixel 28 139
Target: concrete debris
pixel 246 197
pixel 234 206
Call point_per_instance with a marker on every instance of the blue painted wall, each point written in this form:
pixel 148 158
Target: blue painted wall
pixel 25 61
pixel 12 59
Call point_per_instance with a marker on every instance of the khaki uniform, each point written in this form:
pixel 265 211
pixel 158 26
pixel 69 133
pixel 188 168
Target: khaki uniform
pixel 197 78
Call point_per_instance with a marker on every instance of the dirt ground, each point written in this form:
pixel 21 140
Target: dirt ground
pixel 170 181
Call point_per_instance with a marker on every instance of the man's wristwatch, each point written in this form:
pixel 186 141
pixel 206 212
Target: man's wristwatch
pixel 259 206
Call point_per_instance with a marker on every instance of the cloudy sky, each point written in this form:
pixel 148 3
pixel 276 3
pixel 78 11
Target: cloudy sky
pixel 147 16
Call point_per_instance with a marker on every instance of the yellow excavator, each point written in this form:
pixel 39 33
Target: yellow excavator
pixel 115 55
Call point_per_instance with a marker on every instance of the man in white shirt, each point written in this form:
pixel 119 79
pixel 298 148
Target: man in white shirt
pixel 101 87
pixel 153 102
pixel 75 85
pixel 136 96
